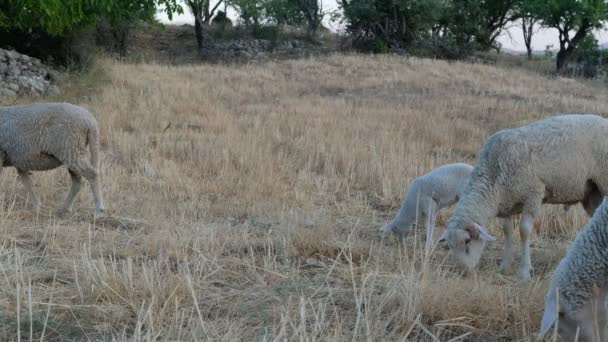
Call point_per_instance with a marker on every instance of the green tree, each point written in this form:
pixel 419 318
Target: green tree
pixel 53 16
pixel 312 12
pixel 122 15
pixel 307 13
pixel 202 12
pixel 251 12
pixel 477 24
pixel 573 19
pixel 381 24
pixel 452 28
pixel 56 17
pixel 283 12
pixel 41 28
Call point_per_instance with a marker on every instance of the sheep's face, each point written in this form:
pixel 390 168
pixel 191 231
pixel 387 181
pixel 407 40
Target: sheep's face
pixel 466 242
pixel 573 325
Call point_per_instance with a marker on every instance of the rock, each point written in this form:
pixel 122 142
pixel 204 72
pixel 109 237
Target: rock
pixel 245 49
pixel 21 74
pixel 5 92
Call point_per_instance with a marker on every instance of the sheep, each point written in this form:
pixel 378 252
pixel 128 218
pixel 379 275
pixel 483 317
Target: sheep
pixel 427 194
pixel 438 189
pixel 578 286
pixel 560 159
pixel 44 136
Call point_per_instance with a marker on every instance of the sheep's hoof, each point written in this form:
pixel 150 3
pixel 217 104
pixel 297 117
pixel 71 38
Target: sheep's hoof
pixel 525 275
pixel 99 212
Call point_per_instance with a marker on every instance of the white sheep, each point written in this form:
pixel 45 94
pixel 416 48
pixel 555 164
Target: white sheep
pixel 561 159
pixel 427 195
pixel 43 136
pixel 579 284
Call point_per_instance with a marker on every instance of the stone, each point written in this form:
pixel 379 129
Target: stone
pixel 22 74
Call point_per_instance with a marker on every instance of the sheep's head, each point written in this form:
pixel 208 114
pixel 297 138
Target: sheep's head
pixel 466 241
pixel 571 324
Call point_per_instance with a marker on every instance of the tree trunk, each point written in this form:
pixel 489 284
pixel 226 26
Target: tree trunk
pixel 527 26
pixel 563 55
pixel 198 31
pixel 120 33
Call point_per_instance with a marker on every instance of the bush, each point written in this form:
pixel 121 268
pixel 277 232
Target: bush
pixel 377 24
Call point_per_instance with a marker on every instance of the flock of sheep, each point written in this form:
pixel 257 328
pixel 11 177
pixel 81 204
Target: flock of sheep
pixel 560 160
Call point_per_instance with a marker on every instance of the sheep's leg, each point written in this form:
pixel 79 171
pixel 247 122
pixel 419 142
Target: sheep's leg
pixel 84 169
pixel 24 177
pixel 74 190
pixel 592 201
pixel 3 158
pixel 525 230
pixel 431 214
pixel 96 189
pixel 507 258
pixel 601 316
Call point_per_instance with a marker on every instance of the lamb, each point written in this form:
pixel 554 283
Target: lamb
pixel 561 159
pixel 44 136
pixel 438 189
pixel 427 194
pixel 579 284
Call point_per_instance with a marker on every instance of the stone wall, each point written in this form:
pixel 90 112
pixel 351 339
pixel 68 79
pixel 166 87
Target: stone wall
pixel 24 75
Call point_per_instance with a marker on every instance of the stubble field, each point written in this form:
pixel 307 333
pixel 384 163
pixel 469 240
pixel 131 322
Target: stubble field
pixel 245 203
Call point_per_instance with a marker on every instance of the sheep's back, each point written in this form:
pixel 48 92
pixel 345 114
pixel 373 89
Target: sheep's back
pixel 43 136
pixel 562 152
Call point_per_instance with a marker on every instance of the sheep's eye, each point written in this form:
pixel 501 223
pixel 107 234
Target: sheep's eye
pixel 467 241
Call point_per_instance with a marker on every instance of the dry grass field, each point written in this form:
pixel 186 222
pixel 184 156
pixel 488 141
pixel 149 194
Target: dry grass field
pixel 245 201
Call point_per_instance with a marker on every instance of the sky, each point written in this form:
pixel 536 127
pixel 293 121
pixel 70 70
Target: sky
pixel 512 39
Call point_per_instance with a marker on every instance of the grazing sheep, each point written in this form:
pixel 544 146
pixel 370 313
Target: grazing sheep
pixel 427 194
pixel 579 284
pixel 438 189
pixel 561 159
pixel 43 136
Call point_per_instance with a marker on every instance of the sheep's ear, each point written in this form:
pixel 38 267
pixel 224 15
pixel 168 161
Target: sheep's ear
pixel 473 230
pixel 549 318
pixel 483 234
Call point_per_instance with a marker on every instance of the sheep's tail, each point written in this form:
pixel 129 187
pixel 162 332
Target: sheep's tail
pixel 93 138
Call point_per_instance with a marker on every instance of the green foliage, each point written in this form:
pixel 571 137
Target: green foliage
pixel 573 19
pixel 480 22
pixel 590 53
pixel 56 17
pixel 397 23
pixel 569 15
pixel 294 13
pixel 51 16
pixel 222 20
pixel 448 28
pixel 251 12
pixel 283 12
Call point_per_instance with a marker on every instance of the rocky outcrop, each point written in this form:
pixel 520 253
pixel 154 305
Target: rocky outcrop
pixel 24 75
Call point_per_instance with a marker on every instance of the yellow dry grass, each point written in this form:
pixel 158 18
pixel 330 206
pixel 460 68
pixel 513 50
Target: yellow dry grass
pixel 245 203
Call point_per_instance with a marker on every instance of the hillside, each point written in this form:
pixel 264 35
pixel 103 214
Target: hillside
pixel 245 203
